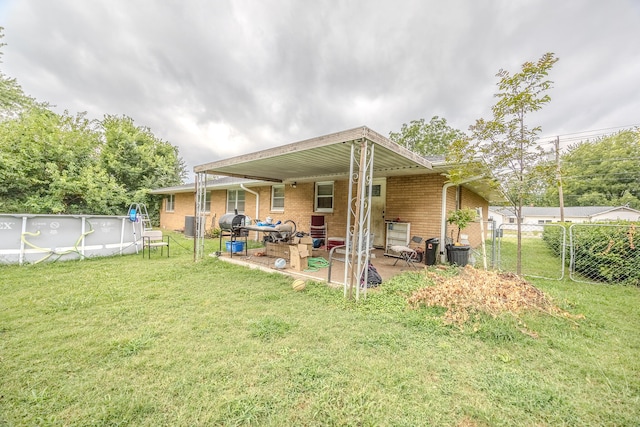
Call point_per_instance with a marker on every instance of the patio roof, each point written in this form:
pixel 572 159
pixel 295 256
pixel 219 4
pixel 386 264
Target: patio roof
pixel 323 157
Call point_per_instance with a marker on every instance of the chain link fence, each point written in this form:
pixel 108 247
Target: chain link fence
pixel 592 252
pixel 604 253
pixel 535 250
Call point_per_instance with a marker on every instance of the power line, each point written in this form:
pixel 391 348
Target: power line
pixel 590 133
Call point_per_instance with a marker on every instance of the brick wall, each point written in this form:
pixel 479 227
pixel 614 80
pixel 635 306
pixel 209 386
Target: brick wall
pixel 184 205
pixel 416 199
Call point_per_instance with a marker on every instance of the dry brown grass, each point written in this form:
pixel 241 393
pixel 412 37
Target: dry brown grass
pixel 477 291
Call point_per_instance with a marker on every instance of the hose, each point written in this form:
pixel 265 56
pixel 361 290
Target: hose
pixel 316 264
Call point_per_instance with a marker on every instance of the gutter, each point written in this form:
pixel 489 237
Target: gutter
pixel 443 224
pixel 257 206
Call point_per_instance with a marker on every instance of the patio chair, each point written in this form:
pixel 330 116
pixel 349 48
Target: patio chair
pixel 318 231
pixel 408 254
pixel 154 239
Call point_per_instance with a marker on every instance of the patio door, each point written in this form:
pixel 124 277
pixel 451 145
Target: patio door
pixel 378 201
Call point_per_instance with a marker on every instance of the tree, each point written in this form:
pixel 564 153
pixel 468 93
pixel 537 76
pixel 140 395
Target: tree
pixel 48 165
pixel 139 161
pixel 51 163
pixel 427 139
pixel 605 171
pixel 506 146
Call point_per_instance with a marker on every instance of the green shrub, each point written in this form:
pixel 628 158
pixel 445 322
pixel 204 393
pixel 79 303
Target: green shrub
pixel 552 236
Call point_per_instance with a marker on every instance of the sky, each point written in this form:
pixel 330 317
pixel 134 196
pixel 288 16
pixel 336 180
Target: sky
pixel 219 78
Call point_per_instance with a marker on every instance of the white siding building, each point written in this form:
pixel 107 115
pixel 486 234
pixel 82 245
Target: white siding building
pixel 577 214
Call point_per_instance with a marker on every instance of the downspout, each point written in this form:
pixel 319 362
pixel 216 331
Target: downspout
pixel 443 224
pixel 257 207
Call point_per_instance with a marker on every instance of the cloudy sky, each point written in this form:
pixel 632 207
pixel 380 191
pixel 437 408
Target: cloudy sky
pixel 224 78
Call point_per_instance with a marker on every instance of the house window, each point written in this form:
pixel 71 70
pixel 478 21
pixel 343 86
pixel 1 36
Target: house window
pixel 277 198
pixel 512 220
pixel 170 202
pixel 375 191
pixel 207 201
pixel 324 197
pixel 235 201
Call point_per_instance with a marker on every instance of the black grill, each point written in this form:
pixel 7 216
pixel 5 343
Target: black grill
pixel 232 224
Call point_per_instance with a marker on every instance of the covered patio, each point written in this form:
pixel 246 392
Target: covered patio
pixel 358 155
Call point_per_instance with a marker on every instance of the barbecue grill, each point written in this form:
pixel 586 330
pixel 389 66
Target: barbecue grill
pixel 232 226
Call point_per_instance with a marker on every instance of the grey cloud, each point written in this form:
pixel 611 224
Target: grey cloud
pixel 272 72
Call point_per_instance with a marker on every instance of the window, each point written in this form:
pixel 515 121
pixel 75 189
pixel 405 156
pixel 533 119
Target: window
pixel 277 198
pixel 235 201
pixel 169 203
pixel 324 197
pixel 375 190
pixel 207 201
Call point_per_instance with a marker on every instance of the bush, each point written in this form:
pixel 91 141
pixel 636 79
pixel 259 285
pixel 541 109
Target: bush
pixel 552 236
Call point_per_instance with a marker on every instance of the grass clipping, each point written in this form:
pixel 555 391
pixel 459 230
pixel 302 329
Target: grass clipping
pixel 476 291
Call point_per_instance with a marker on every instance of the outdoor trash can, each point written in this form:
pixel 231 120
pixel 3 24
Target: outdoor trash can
pixel 431 251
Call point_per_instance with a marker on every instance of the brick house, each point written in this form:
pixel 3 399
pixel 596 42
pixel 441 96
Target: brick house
pixel 312 177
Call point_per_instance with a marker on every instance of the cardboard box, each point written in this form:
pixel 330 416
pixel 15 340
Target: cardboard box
pixel 299 257
pixel 277 250
pixel 305 240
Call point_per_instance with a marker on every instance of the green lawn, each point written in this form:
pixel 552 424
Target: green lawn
pixel 168 342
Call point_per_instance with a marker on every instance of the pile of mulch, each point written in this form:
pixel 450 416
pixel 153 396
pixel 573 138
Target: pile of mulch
pixel 475 291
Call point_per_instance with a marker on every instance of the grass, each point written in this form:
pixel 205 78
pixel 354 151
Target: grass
pixel 131 341
pixel 537 258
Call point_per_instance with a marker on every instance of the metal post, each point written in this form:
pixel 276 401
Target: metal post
pixel 83 228
pixel 358 236
pixel 201 195
pixel 24 230
pixel 348 238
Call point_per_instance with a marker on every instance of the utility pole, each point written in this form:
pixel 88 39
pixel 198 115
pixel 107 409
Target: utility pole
pixel 559 178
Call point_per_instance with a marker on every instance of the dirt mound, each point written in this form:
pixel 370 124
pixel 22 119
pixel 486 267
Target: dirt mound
pixel 474 291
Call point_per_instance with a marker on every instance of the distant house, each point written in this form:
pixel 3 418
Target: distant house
pixel 576 214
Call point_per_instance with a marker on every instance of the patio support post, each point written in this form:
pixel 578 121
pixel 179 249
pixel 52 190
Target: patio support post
pixel 201 195
pixel 358 234
pixel 347 259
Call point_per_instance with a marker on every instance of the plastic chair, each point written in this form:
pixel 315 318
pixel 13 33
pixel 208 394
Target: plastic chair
pixel 409 254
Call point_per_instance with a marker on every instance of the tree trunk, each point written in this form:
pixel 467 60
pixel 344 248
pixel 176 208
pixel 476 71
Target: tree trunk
pixel 519 246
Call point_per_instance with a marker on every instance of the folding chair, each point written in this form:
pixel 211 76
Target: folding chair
pixel 154 239
pixel 318 230
pixel 407 253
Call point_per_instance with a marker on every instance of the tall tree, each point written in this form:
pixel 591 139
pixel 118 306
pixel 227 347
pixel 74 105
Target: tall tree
pixel 506 146
pixel 48 164
pixel 605 171
pixel 138 160
pixel 427 139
